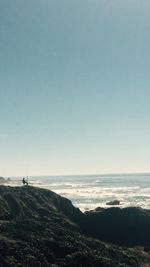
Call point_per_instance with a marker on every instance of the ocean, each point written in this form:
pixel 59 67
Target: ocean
pixel 90 191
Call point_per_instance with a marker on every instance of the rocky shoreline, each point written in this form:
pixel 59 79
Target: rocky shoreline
pixel 39 228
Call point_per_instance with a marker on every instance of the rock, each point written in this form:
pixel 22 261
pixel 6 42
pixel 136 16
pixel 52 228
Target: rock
pixel 39 228
pixel 113 203
pixel 127 226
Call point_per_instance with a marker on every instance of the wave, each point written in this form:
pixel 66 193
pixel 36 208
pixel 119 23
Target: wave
pixel 89 192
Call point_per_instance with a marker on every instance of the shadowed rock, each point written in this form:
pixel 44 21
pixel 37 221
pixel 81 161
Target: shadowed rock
pixel 129 226
pixel 39 228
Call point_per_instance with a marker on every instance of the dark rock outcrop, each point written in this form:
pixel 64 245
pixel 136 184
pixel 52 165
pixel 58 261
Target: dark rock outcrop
pixel 113 203
pixel 39 228
pixel 128 226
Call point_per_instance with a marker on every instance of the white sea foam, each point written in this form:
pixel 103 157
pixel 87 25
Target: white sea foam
pixel 89 192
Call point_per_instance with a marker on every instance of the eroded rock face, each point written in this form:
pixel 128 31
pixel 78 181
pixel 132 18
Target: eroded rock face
pixel 39 228
pixel 32 202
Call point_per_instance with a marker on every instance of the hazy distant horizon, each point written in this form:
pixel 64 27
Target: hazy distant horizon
pixel 82 175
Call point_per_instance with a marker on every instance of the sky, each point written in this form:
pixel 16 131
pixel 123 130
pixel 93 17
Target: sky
pixel 74 87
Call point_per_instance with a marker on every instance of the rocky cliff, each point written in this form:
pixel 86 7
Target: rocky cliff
pixel 39 228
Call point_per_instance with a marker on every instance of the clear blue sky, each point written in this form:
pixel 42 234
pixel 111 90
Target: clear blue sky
pixel 74 87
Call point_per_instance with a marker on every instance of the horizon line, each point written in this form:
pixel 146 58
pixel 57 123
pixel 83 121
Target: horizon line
pixel 93 174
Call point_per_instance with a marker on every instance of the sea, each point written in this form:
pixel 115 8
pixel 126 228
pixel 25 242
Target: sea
pixel 88 192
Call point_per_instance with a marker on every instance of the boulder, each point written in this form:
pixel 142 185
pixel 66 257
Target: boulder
pixel 113 203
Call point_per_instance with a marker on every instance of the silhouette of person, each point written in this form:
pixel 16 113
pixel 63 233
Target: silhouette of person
pixel 24 181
